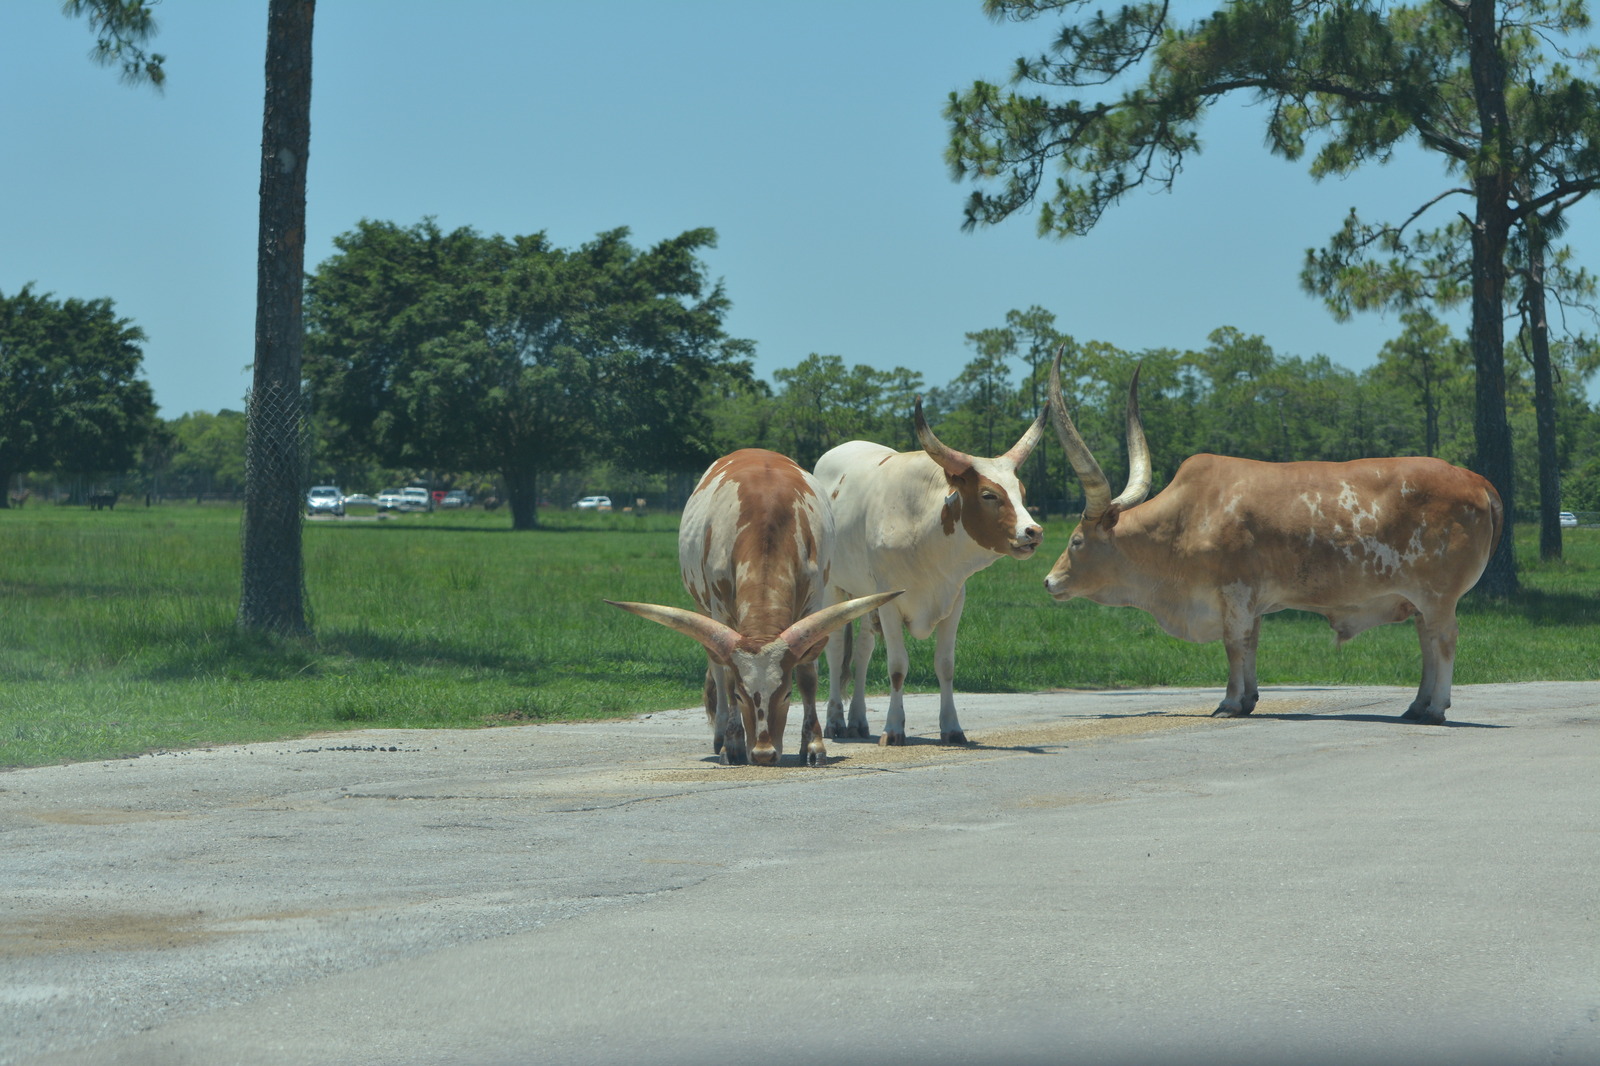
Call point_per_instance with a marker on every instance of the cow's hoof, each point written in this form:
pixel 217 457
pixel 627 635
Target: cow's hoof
pixel 1229 712
pixel 816 757
pixel 731 757
pixel 847 732
pixel 891 740
pixel 958 737
pixel 1424 717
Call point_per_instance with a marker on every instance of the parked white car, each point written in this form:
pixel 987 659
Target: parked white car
pixel 594 503
pixel 416 498
pixel 1568 520
pixel 390 500
pixel 325 499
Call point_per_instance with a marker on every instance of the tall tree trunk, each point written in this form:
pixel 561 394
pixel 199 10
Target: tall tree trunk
pixel 522 492
pixel 1491 229
pixel 1544 391
pixel 1431 430
pixel 272 595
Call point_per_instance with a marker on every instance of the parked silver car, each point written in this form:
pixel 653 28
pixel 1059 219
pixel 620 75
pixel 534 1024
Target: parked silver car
pixel 325 499
pixel 1568 520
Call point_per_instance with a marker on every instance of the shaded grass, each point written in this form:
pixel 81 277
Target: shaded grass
pixel 117 631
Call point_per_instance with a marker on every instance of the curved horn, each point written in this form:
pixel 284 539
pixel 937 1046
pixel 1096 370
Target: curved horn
pixel 719 639
pixel 1023 448
pixel 1096 490
pixel 952 461
pixel 1138 452
pixel 806 633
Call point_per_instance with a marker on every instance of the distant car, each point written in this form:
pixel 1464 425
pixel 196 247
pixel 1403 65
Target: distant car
pixel 456 498
pixel 416 498
pixel 325 499
pixel 594 503
pixel 359 499
pixel 1568 520
pixel 390 500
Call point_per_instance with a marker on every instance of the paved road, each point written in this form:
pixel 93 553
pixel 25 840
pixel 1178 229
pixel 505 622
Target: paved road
pixel 1106 878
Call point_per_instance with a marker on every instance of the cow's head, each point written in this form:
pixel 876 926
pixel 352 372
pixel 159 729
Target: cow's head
pixel 985 496
pixel 1091 560
pixel 762 671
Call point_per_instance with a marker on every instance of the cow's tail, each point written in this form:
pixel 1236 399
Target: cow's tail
pixel 1497 518
pixel 849 651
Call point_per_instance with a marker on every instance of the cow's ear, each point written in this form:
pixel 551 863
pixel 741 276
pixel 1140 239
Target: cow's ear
pixel 1108 521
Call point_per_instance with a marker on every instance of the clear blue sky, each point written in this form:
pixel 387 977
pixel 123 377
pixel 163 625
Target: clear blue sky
pixel 808 134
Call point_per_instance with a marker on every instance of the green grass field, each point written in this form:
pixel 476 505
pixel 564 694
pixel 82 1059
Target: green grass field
pixel 117 634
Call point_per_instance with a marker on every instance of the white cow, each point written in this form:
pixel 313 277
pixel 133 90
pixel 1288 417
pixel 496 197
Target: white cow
pixel 924 522
pixel 753 549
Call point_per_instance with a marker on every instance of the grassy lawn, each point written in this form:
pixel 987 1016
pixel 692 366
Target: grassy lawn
pixel 117 635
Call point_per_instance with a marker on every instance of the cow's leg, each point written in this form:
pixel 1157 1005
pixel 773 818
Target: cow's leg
pixel 838 653
pixel 899 663
pixel 813 752
pixel 865 643
pixel 735 752
pixel 849 654
pixel 711 708
pixel 1438 640
pixel 944 667
pixel 1241 632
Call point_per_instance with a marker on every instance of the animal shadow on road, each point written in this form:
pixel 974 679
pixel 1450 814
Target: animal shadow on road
pixel 1393 719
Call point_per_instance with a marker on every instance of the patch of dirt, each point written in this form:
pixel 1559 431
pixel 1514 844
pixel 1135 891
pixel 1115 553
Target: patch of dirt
pixel 99 932
pixel 99 816
pixel 927 751
pixel 126 931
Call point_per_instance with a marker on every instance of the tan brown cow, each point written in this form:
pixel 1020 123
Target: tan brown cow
pixel 1362 543
pixel 924 521
pixel 753 548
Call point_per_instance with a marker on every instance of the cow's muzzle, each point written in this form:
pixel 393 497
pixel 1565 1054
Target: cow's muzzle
pixel 1027 543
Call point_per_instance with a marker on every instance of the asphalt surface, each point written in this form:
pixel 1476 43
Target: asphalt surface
pixel 1107 878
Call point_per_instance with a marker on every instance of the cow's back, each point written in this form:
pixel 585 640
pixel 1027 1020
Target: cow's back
pixel 1315 535
pixel 754 542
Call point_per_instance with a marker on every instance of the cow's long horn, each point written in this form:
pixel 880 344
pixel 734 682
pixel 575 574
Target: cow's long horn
pixel 952 461
pixel 1138 452
pixel 1030 440
pixel 807 633
pixel 719 639
pixel 1096 489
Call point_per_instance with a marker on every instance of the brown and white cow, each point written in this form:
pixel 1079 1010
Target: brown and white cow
pixel 1362 543
pixel 922 521
pixel 753 549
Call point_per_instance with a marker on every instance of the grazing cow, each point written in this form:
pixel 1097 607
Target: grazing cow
pixel 924 521
pixel 753 549
pixel 1362 543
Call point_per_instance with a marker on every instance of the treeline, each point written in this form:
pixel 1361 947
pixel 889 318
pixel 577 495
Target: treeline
pixel 1236 396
